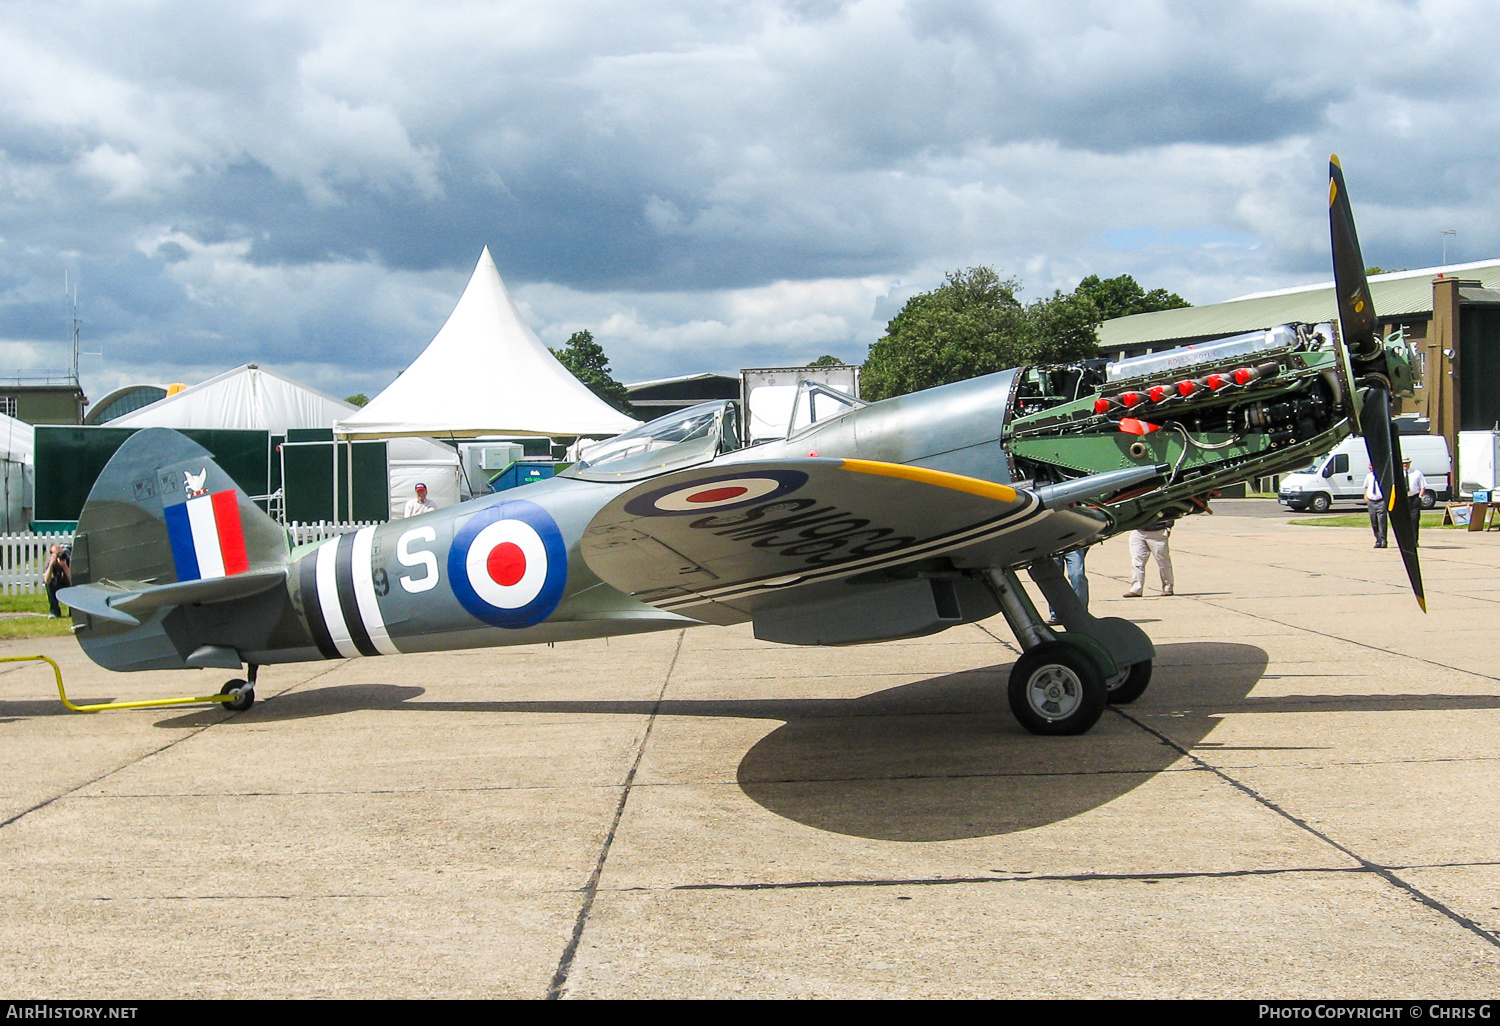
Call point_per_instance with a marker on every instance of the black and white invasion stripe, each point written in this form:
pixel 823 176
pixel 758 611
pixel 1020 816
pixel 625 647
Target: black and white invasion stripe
pixel 338 596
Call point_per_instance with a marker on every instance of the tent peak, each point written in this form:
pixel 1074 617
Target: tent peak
pixel 485 373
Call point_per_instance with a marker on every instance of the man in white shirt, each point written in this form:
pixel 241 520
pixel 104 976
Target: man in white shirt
pixel 1416 487
pixel 1375 501
pixel 416 507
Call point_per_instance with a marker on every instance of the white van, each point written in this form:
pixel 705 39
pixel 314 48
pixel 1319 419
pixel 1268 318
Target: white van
pixel 1340 476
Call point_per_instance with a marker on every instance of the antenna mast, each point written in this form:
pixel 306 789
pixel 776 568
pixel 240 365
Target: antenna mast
pixel 71 290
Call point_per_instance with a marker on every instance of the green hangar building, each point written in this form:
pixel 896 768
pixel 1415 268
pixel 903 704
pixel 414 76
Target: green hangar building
pixel 1451 317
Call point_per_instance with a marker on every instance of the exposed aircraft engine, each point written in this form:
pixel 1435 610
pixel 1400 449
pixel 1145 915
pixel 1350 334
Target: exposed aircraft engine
pixel 1208 416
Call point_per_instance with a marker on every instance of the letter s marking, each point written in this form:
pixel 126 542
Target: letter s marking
pixel 418 558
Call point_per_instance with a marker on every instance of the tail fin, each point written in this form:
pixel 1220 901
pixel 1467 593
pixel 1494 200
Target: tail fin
pixel 165 528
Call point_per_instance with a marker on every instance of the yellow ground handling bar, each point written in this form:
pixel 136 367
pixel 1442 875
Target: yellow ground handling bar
pixel 101 706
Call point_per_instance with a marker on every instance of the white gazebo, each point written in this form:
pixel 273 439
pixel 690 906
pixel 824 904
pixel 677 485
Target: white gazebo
pixel 485 373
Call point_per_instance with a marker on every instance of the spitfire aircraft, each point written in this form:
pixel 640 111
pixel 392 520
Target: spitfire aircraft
pixel 867 522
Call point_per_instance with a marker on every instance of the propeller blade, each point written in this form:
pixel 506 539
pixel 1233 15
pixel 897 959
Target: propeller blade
pixel 1356 307
pixel 1383 443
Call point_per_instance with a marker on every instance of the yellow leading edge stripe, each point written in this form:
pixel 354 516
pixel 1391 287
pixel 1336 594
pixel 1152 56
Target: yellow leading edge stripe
pixel 937 478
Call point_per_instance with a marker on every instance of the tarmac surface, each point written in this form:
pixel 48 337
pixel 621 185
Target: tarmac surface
pixel 1305 804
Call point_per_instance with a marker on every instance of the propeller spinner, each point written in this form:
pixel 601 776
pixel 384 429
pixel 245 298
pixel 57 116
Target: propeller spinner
pixel 1360 331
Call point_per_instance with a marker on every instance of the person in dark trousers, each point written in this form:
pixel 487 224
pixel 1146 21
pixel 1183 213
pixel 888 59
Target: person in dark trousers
pixel 1375 503
pixel 57 575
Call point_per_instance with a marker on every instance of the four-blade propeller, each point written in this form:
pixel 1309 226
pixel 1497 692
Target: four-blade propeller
pixel 1367 356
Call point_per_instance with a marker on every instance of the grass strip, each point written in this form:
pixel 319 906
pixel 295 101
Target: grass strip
pixel 25 616
pixel 1430 519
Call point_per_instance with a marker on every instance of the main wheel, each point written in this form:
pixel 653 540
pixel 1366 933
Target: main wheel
pixel 1131 684
pixel 1056 688
pixel 1321 502
pixel 246 696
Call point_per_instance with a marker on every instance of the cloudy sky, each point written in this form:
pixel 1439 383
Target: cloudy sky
pixel 703 185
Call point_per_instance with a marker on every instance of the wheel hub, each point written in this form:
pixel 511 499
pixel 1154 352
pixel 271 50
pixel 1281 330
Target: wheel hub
pixel 1054 692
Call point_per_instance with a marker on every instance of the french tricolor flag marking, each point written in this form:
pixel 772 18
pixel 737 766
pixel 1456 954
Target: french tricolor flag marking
pixel 207 540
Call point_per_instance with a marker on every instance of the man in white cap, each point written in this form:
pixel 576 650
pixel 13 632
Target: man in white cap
pixel 416 507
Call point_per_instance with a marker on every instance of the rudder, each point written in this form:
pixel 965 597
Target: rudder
pixel 165 526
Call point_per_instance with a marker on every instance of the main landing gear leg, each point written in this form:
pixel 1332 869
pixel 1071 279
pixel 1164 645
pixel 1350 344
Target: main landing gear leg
pixel 1122 650
pixel 1057 686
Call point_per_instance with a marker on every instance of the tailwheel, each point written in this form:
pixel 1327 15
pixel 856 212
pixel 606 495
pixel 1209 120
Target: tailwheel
pixel 1130 684
pixel 1056 688
pixel 242 701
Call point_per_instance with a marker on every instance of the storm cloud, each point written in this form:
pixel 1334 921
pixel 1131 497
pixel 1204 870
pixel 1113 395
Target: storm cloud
pixel 704 186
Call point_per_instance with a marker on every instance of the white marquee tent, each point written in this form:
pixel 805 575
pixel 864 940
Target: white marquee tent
pixel 249 398
pixel 256 399
pixel 17 440
pixel 485 373
pixel 17 474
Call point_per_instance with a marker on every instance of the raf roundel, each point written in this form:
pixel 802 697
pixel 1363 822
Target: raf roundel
pixel 714 494
pixel 509 564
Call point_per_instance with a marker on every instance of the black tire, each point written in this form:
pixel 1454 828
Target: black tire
pixel 246 697
pixel 1132 684
pixel 1056 688
pixel 1320 503
pixel 1428 500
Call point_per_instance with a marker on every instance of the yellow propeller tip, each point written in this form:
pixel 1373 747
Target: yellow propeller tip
pixel 1333 158
pixel 1422 602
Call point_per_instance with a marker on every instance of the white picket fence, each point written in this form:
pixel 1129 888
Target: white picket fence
pixel 23 557
pixel 304 533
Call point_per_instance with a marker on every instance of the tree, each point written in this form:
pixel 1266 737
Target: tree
pixel 585 360
pixel 1122 296
pixel 357 399
pixel 973 324
pixel 827 361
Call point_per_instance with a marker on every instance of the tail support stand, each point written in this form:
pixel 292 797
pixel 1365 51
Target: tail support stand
pixel 101 706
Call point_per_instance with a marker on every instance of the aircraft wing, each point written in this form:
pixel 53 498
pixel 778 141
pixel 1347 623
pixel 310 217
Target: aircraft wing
pixel 722 543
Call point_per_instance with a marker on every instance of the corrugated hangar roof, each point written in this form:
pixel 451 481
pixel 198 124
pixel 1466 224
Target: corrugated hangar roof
pixel 680 379
pixel 1396 293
